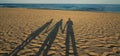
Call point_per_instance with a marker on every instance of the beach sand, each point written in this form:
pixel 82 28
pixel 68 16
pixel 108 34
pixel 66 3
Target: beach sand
pixel 95 33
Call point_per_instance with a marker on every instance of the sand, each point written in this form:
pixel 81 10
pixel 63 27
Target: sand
pixel 95 33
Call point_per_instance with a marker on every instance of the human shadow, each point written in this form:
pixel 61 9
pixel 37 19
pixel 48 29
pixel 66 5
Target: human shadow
pixel 50 38
pixel 29 39
pixel 70 36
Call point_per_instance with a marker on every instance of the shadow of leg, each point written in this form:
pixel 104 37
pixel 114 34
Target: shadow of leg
pixel 48 47
pixel 74 45
pixel 43 46
pixel 50 38
pixel 67 44
pixel 29 38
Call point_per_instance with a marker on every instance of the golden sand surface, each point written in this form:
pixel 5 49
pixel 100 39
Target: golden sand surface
pixel 94 33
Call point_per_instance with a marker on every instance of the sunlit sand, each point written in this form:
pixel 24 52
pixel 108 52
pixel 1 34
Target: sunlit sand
pixel 30 32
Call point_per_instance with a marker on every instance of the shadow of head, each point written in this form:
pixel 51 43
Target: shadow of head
pixel 61 20
pixel 69 18
pixel 51 20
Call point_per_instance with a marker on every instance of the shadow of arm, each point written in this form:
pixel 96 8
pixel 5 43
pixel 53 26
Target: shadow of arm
pixel 48 29
pixel 64 28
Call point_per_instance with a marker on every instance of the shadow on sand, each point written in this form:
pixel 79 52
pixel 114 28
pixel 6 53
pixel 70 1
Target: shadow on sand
pixel 49 40
pixel 70 36
pixel 44 49
pixel 31 37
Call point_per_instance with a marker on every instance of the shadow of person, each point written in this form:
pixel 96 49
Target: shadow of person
pixel 70 36
pixel 49 40
pixel 29 38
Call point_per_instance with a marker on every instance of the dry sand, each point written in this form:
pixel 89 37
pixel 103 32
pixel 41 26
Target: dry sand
pixel 96 33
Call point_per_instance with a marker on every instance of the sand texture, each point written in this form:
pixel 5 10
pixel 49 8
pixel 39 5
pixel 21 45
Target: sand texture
pixel 39 32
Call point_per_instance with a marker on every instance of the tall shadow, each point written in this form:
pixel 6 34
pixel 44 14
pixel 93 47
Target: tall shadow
pixel 70 36
pixel 32 36
pixel 49 40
